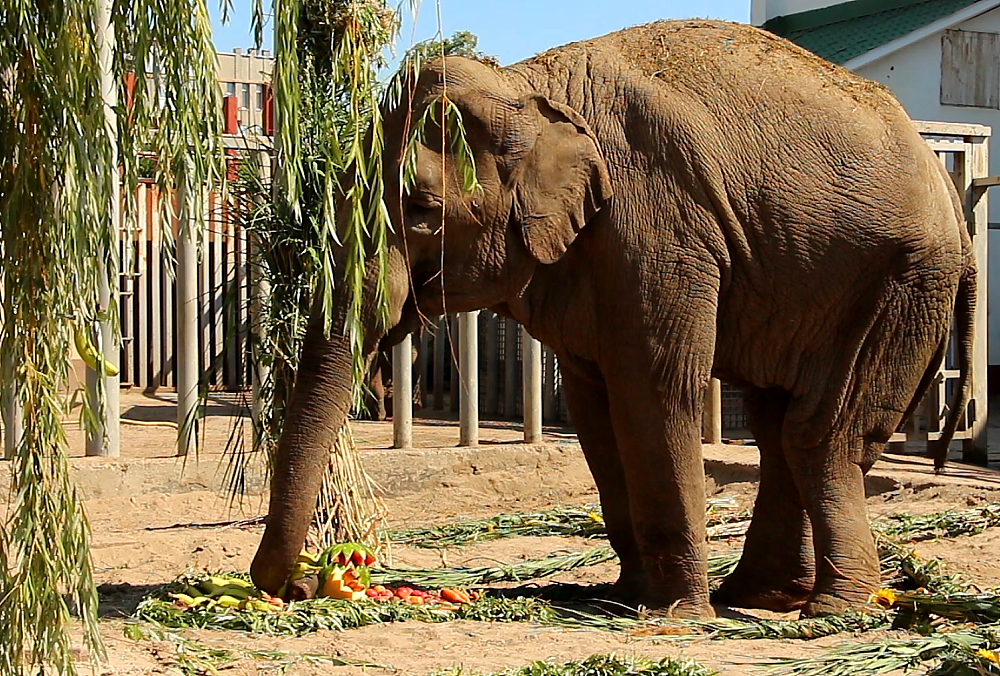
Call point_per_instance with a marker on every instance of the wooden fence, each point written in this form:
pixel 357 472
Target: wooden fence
pixel 149 308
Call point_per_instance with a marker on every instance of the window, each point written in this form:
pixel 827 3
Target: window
pixel 245 103
pixel 230 89
pixel 970 69
pixel 260 96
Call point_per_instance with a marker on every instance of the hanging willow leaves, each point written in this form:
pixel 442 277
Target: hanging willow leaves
pixel 57 164
pixel 329 164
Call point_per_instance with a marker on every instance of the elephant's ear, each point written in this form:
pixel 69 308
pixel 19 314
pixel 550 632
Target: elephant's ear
pixel 560 181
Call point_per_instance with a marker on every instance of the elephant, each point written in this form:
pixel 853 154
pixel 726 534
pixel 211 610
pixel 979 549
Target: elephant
pixel 662 205
pixel 377 404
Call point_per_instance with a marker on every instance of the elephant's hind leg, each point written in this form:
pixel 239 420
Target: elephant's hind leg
pixel 776 571
pixel 831 483
pixel 587 400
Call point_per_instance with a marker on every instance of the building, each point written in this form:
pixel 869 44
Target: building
pixel 941 58
pixel 245 77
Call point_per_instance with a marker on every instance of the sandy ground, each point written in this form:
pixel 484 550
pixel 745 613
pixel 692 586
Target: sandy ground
pixel 141 542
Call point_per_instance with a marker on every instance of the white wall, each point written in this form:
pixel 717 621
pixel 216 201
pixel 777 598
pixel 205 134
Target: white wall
pixel 914 75
pixel 762 10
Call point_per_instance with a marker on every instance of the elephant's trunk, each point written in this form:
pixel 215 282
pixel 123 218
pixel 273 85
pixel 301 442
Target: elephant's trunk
pixel 319 407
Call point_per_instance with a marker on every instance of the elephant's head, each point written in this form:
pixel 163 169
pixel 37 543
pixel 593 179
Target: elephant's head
pixel 542 177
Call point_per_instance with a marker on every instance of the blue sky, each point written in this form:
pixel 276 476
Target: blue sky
pixel 513 30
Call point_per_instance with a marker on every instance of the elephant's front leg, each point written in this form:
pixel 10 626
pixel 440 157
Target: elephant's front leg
pixel 658 428
pixel 587 400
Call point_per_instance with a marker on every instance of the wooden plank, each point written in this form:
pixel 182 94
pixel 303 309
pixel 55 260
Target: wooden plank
pixel 492 349
pixel 440 357
pixel 154 315
pixel 531 351
pixel 402 382
pixel 455 382
pixel 711 417
pixel 549 412
pixel 977 448
pixel 217 294
pixel 511 367
pixel 204 276
pixel 969 71
pixel 140 331
pixel 952 128
pixel 986 182
pixel 241 304
pixel 468 348
pixel 169 317
pixel 953 145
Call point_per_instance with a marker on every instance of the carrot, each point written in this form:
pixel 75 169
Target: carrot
pixel 455 596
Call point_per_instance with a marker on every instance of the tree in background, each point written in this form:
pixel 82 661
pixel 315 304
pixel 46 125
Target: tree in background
pixel 59 162
pixel 328 98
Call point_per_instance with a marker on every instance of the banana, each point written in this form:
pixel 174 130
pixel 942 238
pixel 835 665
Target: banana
pixel 230 581
pixel 90 355
pixel 227 601
pixel 301 570
pixel 307 557
pixel 215 590
pixel 188 600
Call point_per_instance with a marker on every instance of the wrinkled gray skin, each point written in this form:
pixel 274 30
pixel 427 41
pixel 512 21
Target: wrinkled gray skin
pixel 662 205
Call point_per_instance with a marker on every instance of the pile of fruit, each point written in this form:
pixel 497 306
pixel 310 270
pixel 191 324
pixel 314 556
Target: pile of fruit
pixel 226 592
pixel 342 571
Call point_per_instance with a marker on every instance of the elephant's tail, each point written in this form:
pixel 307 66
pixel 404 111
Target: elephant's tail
pixel 965 310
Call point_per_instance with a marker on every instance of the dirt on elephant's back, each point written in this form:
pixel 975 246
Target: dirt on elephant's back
pixel 684 52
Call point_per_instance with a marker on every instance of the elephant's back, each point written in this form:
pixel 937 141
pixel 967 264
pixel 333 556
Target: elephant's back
pixel 719 60
pixel 744 76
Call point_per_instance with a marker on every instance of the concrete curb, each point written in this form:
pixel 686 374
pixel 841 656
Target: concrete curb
pixel 402 472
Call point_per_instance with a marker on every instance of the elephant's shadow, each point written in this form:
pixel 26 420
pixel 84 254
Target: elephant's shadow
pixel 592 599
pixel 122 600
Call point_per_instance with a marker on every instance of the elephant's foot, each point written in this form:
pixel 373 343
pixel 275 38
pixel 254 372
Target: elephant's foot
pixel 837 601
pixel 740 592
pixel 664 601
pixel 683 609
pixel 630 588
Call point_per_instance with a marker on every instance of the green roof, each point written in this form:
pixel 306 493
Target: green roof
pixel 850 29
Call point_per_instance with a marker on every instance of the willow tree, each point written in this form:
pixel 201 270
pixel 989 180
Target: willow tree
pixel 329 97
pixel 58 170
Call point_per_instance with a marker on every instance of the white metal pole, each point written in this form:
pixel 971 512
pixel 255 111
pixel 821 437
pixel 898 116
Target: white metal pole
pixel 531 351
pixel 402 394
pixel 105 440
pixel 711 417
pixel 187 324
pixel 468 348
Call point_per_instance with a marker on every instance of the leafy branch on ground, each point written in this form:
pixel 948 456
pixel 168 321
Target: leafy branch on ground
pixel 604 665
pixel 194 658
